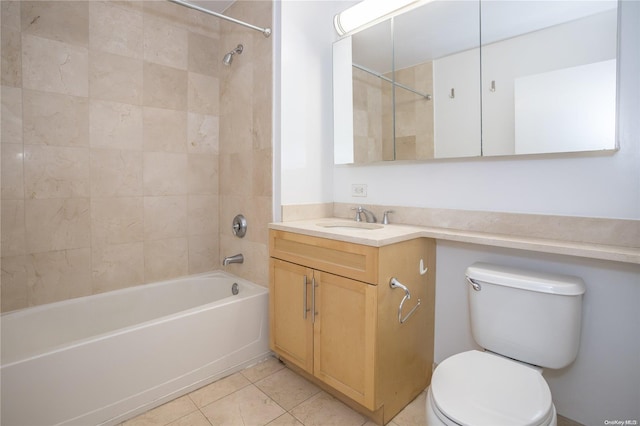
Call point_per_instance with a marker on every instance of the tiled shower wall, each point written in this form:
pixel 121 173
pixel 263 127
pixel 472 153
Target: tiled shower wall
pixel 246 139
pixel 111 121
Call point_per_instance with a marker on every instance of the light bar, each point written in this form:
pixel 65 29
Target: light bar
pixel 365 12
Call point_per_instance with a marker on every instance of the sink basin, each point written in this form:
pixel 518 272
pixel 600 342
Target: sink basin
pixel 349 224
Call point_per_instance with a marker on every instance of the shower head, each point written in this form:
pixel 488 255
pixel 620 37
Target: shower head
pixel 228 58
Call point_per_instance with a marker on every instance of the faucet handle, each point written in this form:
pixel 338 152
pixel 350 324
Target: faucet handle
pixel 358 211
pixel 385 218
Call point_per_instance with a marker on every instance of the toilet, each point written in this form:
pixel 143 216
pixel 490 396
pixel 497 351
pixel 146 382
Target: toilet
pixel 525 321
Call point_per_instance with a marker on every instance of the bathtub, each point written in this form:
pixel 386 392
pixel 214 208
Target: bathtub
pixel 104 358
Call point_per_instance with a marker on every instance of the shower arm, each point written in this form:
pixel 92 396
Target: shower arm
pixel 265 31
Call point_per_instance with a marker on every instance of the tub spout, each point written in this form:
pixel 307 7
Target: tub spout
pixel 237 258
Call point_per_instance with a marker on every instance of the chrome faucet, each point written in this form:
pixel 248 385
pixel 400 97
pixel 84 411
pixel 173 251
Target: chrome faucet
pixel 236 258
pixel 369 217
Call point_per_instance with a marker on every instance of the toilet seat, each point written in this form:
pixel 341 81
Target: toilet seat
pixel 479 388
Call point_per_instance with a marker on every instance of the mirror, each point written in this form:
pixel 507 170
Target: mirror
pixel 418 89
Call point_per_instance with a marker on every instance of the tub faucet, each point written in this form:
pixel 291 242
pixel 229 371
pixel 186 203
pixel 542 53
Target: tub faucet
pixel 369 217
pixel 236 258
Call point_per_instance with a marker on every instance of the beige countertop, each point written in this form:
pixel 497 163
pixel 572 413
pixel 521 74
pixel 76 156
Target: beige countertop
pixel 394 233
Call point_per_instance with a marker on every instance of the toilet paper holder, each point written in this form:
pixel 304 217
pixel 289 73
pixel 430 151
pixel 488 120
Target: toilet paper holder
pixel 394 283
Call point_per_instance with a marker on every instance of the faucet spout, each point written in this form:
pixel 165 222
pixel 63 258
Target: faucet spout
pixel 236 258
pixel 369 217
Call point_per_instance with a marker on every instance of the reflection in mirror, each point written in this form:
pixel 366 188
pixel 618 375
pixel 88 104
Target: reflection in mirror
pixel 549 76
pixel 436 51
pixel 539 78
pixel 372 74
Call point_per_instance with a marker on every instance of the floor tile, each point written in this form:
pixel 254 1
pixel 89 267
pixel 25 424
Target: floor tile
pixel 248 406
pixel 164 414
pixel 414 414
pixel 194 419
pixel 324 410
pixel 216 390
pixel 285 420
pixel 263 369
pixel 287 388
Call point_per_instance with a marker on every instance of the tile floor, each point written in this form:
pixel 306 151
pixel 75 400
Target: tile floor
pixel 266 394
pixel 270 394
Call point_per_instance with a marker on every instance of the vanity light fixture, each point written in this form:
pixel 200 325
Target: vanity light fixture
pixel 365 12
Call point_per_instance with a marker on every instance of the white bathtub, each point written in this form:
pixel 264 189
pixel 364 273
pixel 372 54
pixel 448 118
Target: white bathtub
pixel 104 358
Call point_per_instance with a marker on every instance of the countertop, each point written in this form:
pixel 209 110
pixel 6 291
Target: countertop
pixel 394 233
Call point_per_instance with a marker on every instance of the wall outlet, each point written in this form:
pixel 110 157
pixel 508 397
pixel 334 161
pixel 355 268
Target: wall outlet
pixel 358 190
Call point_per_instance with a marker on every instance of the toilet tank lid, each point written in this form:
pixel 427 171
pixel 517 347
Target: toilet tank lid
pixel 541 282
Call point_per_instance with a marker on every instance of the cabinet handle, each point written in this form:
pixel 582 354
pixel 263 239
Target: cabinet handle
pixel 313 300
pixel 304 299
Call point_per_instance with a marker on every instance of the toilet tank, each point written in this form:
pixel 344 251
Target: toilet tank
pixel 528 316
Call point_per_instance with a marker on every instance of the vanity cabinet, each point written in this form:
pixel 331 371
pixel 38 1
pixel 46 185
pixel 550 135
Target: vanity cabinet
pixel 334 317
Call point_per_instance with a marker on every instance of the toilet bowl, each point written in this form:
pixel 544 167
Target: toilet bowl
pixel 525 321
pixel 480 388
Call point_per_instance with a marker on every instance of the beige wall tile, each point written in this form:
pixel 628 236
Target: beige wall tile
pixel 10 11
pixel 117 266
pixel 204 24
pixel 202 214
pixel 13 230
pixel 57 224
pixel 165 173
pixel 116 220
pixel 204 55
pixel 164 87
pixel 236 170
pixel 164 43
pixel 115 125
pixel 66 21
pixel 204 253
pixel 105 122
pixel 203 94
pixel 164 259
pixel 236 130
pixel 58 275
pixel 11 116
pixel 165 217
pixel 203 174
pixel 14 283
pixel 115 78
pixel 54 119
pixel 164 130
pixel 116 28
pixel 116 173
pixel 203 133
pixel 53 66
pixel 11 46
pixel 55 172
pixel 262 183
pixel 12 171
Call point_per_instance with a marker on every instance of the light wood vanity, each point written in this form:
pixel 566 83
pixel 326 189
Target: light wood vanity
pixel 335 319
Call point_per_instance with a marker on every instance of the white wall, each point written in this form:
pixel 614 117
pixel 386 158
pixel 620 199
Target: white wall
pixel 306 121
pixel 603 384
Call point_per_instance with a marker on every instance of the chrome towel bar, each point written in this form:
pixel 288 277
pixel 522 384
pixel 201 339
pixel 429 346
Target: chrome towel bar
pixel 394 283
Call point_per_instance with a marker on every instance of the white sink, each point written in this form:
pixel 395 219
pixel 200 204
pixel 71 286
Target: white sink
pixel 350 224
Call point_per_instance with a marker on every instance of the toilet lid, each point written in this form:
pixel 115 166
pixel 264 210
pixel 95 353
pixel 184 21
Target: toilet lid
pixel 478 388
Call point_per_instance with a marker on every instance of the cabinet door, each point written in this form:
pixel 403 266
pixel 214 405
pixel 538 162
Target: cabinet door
pixel 344 336
pixel 290 318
